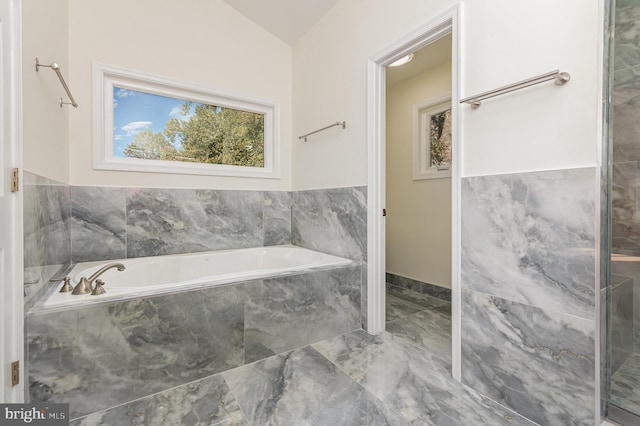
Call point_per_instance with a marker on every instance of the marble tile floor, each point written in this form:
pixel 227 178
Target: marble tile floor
pixel 419 319
pixel 625 385
pixel 353 379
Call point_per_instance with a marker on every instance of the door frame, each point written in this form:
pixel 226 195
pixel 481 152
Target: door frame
pixel 445 23
pixel 11 295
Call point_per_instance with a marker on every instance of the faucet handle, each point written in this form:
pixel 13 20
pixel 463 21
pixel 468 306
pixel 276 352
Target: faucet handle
pixel 66 287
pixel 99 289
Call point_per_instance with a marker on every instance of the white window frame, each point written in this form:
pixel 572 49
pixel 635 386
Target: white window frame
pixel 421 141
pixel 105 77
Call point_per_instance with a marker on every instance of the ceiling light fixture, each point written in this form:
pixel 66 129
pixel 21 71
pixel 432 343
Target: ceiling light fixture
pixel 402 61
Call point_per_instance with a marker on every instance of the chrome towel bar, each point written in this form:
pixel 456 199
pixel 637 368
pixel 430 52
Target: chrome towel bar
pixel 559 77
pixel 337 123
pixel 56 68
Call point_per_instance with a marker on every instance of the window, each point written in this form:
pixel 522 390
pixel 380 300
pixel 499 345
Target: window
pixel 432 139
pixel 152 124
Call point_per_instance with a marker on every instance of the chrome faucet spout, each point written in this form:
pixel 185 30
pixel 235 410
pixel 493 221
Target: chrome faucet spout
pixel 104 269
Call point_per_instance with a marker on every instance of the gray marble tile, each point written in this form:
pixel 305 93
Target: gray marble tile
pixel 625 122
pixel 277 218
pixel 291 312
pixel 304 388
pixel 98 223
pixel 100 356
pixel 625 385
pixel 529 237
pixel 419 286
pixel 427 329
pixel 412 381
pixel 627 34
pixel 169 221
pixel 539 363
pixel 401 302
pixel 331 221
pixel 625 196
pixel 605 330
pixel 47 236
pixel 626 76
pixel 622 342
pixel 621 268
pixel 204 402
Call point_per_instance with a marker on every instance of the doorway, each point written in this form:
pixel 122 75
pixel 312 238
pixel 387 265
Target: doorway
pixel 418 198
pixel 432 31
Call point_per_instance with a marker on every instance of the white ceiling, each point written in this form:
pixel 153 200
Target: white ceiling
pixel 429 56
pixel 288 20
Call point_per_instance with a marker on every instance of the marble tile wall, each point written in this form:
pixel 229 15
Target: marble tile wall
pixel 419 286
pixel 100 356
pixel 46 232
pixel 528 280
pixel 622 319
pixel 332 221
pixel 137 222
pixel 104 223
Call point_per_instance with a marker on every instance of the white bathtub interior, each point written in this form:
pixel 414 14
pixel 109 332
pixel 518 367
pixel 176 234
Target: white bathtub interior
pixel 159 274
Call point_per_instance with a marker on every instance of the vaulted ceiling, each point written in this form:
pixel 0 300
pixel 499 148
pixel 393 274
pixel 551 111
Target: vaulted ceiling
pixel 288 20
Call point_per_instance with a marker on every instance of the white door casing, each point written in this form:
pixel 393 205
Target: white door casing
pixel 11 263
pixel 447 22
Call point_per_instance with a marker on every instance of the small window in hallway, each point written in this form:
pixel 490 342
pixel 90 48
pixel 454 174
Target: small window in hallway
pixel 432 140
pixel 157 125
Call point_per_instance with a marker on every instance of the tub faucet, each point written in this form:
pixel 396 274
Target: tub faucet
pixel 84 286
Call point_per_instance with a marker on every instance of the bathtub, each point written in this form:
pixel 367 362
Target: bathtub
pixel 160 274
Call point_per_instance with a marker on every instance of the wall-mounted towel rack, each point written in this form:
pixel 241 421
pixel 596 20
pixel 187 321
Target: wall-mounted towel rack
pixel 559 77
pixel 337 123
pixel 56 68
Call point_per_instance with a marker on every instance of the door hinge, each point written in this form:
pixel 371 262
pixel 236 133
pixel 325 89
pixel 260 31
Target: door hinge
pixel 15 180
pixel 384 212
pixel 15 373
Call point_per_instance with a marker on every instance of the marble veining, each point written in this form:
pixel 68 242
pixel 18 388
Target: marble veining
pixel 419 286
pixel 289 312
pixel 204 402
pixel 530 238
pixel 625 226
pixel 412 381
pixel 304 388
pixel 627 34
pixel 539 363
pixel 428 329
pixel 277 218
pixel 104 355
pixel 172 221
pixel 332 221
pixel 625 126
pixel 625 385
pixel 622 310
pixel 98 223
pixel 46 213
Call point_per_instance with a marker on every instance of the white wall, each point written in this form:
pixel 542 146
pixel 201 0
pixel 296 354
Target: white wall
pixel 544 127
pixel 418 241
pixel 203 42
pixel 503 41
pixel 330 84
pixel 46 125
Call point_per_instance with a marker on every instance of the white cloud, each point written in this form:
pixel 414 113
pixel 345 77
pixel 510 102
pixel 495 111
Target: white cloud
pixel 176 112
pixel 118 137
pixel 124 93
pixel 135 127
